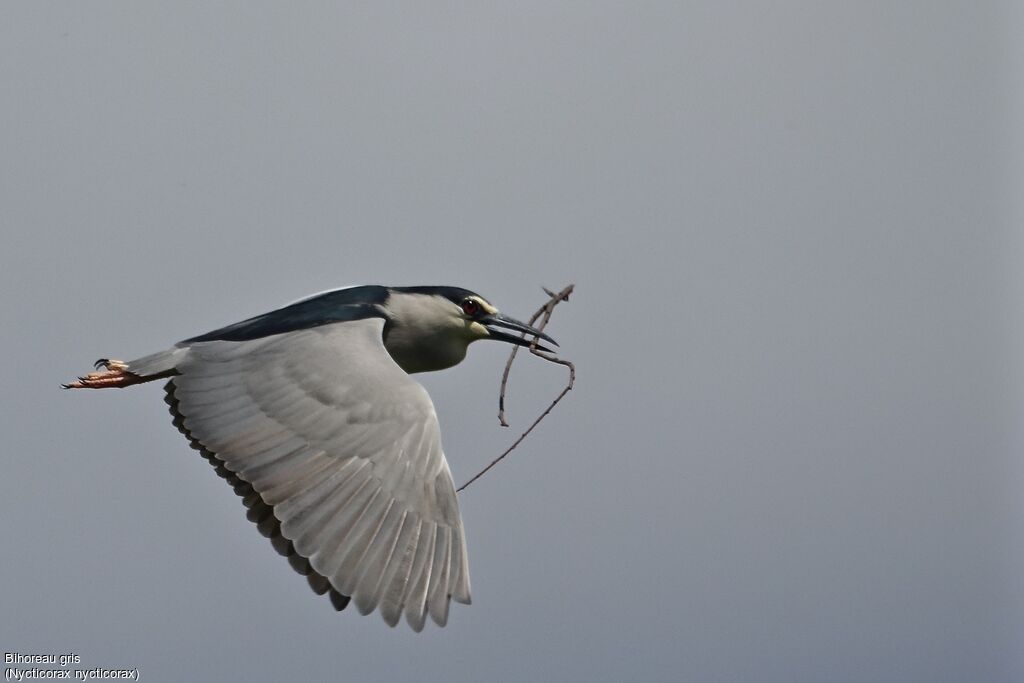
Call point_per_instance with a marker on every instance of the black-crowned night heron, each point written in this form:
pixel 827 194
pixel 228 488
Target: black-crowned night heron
pixel 310 414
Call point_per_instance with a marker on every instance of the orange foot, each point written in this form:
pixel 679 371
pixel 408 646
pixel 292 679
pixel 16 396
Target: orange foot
pixel 114 376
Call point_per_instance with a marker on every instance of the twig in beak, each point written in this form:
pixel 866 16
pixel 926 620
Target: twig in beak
pixel 543 312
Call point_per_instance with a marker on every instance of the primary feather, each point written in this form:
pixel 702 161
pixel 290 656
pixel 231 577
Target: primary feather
pixel 357 487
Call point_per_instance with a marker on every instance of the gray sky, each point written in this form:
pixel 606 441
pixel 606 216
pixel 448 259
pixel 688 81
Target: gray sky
pixel 794 448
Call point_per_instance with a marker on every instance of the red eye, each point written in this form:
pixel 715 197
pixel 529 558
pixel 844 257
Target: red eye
pixel 470 307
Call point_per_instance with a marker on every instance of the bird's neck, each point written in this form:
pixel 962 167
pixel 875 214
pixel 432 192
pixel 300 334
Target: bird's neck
pixel 424 351
pixel 422 335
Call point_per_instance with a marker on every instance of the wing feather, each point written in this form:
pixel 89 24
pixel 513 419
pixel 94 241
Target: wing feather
pixel 285 484
pixel 437 596
pixel 397 573
pixel 337 453
pixel 352 550
pixel 304 514
pixel 380 543
pixel 340 531
pixel 419 582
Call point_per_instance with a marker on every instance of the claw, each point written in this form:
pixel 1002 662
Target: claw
pixel 109 364
pixel 116 375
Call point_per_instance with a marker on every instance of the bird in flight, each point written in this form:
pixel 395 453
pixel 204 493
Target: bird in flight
pixel 310 414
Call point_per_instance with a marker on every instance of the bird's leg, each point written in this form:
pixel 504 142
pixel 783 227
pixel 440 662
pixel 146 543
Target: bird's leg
pixel 114 376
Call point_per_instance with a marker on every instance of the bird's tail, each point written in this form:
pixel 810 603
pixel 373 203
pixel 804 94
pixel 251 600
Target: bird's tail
pixel 117 374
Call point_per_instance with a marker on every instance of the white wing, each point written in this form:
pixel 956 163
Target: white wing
pixel 345 448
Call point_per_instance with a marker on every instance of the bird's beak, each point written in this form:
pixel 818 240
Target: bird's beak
pixel 498 320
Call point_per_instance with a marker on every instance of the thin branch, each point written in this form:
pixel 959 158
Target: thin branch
pixel 543 312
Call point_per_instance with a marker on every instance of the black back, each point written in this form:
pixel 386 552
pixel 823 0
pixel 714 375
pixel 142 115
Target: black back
pixel 352 303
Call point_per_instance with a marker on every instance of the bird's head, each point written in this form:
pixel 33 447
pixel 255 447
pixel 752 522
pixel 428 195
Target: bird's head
pixel 430 328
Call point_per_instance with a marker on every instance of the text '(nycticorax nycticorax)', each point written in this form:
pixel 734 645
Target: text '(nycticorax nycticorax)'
pixel 310 414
